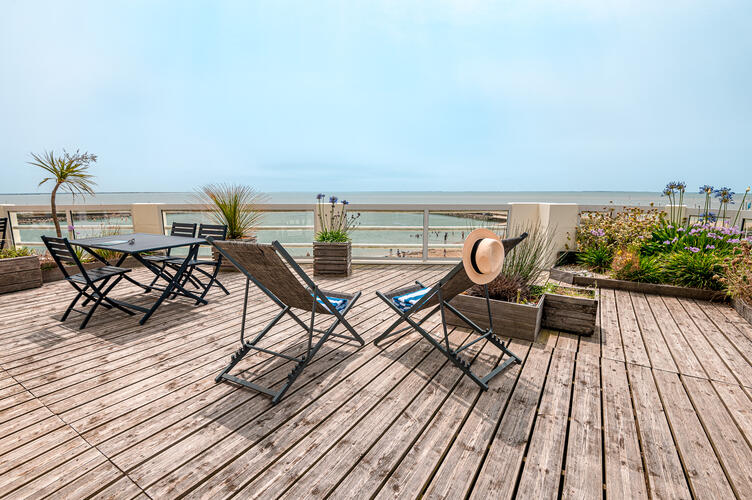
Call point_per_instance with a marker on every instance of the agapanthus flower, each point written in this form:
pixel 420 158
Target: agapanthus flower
pixel 724 194
pixel 320 196
pixel 680 185
pixel 709 247
pixel 706 189
pixel 692 249
pixel 667 192
pixel 332 199
pixel 680 229
pixel 345 202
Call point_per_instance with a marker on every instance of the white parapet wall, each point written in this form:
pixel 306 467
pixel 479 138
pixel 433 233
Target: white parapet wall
pixel 560 220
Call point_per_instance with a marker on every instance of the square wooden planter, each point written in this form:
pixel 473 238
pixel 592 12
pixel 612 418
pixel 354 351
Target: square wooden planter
pixel 524 321
pixel 570 314
pixel 519 321
pixel 20 273
pixel 332 259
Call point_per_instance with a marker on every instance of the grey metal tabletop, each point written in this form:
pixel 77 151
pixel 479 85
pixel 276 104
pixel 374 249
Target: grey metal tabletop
pixel 137 242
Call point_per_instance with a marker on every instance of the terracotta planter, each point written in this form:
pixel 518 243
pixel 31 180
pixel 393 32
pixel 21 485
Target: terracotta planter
pixel 519 321
pixel 569 314
pixel 332 259
pixel 20 273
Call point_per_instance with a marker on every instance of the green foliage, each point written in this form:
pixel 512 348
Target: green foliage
pixel 335 236
pixel 597 258
pixel 68 171
pixel 616 229
pixel 695 270
pixel 12 253
pixel 698 237
pixel 523 266
pixel 233 205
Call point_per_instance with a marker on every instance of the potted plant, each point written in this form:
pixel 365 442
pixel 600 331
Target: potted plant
pixel 19 270
pixel 332 246
pixel 234 206
pixel 516 298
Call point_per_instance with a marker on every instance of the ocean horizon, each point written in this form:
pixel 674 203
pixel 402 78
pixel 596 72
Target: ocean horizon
pixel 639 198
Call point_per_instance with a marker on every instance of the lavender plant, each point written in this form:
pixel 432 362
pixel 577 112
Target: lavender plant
pixel 336 224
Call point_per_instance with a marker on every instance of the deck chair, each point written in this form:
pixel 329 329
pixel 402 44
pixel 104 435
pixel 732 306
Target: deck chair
pixel 91 283
pixel 267 267
pixel 410 300
pixel 3 230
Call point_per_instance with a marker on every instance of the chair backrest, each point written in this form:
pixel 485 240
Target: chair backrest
pixel 216 231
pixel 185 229
pixel 62 252
pixel 264 266
pixel 3 229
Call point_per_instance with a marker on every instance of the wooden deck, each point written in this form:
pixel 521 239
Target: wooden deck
pixel 658 405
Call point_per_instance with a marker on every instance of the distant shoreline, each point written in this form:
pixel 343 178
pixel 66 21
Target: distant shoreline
pixel 616 198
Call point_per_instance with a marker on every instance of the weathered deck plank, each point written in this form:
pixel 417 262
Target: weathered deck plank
pixel 123 411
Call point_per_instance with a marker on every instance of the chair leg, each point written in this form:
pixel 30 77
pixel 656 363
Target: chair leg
pixel 72 305
pixel 91 311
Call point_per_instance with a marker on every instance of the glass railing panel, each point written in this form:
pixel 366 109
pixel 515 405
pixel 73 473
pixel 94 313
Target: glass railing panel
pixel 29 227
pixel 447 229
pixel 94 224
pixel 388 235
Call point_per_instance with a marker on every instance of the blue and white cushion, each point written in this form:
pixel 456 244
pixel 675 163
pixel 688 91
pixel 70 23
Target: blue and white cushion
pixel 406 301
pixel 339 304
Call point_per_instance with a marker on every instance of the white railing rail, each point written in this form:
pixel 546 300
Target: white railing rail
pixel 416 232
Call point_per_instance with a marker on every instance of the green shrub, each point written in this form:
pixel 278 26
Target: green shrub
pixel 597 258
pixel 335 236
pixel 651 270
pixel 11 253
pixel 695 270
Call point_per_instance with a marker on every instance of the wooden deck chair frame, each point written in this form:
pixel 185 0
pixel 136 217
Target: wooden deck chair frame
pixel 319 303
pixel 452 284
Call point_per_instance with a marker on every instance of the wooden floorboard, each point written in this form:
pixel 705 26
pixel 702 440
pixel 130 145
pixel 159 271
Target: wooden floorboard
pixel 657 403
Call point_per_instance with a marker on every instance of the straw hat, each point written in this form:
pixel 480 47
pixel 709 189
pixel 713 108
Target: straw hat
pixel 482 256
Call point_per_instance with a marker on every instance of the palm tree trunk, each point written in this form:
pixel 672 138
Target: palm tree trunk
pixel 53 205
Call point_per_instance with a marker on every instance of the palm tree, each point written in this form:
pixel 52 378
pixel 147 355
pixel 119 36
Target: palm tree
pixel 67 171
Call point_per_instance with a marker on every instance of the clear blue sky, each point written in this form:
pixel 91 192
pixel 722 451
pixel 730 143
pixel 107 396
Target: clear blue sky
pixel 392 95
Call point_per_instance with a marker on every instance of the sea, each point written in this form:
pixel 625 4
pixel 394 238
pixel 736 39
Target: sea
pixel 642 198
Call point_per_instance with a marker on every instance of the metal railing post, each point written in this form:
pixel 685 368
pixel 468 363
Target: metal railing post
pixel 425 235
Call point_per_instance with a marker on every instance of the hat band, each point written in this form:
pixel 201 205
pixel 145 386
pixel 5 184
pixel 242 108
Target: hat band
pixel 472 256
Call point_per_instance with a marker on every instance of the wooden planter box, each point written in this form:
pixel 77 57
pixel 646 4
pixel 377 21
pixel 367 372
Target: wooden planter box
pixel 570 314
pixel 744 309
pixel 20 273
pixel 332 259
pixel 635 286
pixel 519 321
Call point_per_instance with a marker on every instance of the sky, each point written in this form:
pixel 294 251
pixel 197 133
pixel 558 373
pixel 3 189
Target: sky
pixel 400 95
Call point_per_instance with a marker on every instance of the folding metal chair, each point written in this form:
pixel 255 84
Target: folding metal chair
pixel 410 300
pixel 267 267
pixel 92 283
pixel 216 233
pixel 3 230
pixel 185 229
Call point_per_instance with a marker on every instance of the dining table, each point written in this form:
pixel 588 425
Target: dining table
pixel 137 245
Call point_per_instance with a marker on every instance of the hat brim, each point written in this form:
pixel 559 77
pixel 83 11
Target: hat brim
pixel 467 252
